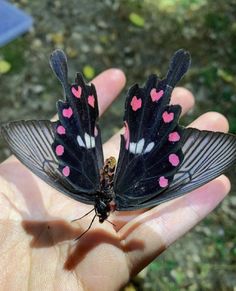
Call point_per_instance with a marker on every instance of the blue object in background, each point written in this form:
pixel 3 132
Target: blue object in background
pixel 13 22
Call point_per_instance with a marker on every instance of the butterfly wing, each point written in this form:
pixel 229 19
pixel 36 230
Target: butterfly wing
pixel 207 155
pixel 67 154
pixel 150 151
pixel 77 141
pixel 160 160
pixel 31 142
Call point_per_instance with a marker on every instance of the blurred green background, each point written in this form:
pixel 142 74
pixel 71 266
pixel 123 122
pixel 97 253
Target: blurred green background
pixel 138 37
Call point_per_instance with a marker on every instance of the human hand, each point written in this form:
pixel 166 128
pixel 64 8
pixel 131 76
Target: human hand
pixel 37 244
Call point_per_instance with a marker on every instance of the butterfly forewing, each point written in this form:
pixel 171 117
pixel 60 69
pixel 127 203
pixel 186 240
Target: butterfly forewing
pixel 207 154
pixel 31 142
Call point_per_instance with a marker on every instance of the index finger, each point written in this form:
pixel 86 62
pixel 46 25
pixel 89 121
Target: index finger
pixel 108 86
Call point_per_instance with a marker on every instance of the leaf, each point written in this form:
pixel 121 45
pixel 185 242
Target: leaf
pixel 88 72
pixel 226 76
pixel 136 19
pixel 57 38
pixel 4 67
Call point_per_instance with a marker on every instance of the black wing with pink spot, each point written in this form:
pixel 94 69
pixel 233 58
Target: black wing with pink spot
pixel 160 160
pixel 31 142
pixel 206 155
pixel 77 142
pixel 67 154
pixel 151 147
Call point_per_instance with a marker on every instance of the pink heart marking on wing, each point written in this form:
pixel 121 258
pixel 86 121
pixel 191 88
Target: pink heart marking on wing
pixel 167 117
pixel 163 182
pixel 76 92
pixel 59 150
pixel 66 171
pixel 91 100
pixel 61 129
pixel 156 95
pixel 136 103
pixel 174 136
pixel 174 160
pixel 67 112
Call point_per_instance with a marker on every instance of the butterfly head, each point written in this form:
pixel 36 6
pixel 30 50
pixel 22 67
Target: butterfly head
pixel 102 208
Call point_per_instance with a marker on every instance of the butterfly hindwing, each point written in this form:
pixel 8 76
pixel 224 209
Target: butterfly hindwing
pixel 77 141
pixel 67 153
pixel 150 151
pixel 160 160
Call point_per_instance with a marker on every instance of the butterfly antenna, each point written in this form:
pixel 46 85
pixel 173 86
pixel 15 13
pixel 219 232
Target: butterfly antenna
pixel 83 215
pixel 87 228
pixel 111 223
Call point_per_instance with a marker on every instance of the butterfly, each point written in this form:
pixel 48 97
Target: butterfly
pixel 159 159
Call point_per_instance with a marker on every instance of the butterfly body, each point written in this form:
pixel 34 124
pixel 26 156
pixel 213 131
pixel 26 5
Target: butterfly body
pixel 159 160
pixel 104 202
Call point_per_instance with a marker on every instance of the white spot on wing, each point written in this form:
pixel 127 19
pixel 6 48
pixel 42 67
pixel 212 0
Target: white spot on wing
pixel 137 148
pixel 149 147
pixel 132 147
pixel 92 142
pixel 89 140
pixel 80 141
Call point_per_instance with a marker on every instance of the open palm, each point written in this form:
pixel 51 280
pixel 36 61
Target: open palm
pixel 37 246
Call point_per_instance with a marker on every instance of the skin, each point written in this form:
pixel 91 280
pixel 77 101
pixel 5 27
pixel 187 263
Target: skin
pixel 37 246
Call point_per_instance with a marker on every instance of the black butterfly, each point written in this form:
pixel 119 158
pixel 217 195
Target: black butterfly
pixel 158 161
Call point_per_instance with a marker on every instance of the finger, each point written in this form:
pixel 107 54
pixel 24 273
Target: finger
pixel 209 121
pixel 180 96
pixel 163 225
pixel 184 98
pixel 108 86
pixel 213 121
pixel 182 213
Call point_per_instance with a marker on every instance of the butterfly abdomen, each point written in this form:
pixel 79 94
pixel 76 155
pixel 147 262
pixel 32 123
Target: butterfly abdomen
pixel 104 202
pixel 107 176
